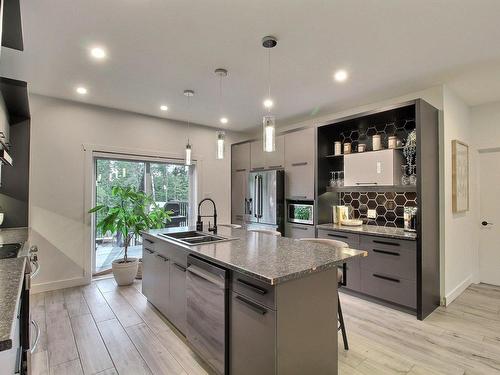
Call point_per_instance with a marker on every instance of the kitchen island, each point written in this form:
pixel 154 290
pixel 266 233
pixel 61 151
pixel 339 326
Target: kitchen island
pixel 277 308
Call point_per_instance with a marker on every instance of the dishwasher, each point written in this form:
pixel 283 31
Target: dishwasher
pixel 207 311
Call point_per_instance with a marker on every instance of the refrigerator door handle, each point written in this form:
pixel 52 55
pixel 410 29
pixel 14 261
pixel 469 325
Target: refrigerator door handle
pixel 256 198
pixel 260 197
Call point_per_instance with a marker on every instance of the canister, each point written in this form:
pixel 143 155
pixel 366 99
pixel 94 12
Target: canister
pixel 392 142
pixel 361 147
pixel 337 148
pixel 376 142
pixel 347 148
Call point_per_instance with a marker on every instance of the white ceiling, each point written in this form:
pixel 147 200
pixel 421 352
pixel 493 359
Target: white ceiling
pixel 158 48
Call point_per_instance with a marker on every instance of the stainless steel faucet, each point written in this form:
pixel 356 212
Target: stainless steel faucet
pixel 199 223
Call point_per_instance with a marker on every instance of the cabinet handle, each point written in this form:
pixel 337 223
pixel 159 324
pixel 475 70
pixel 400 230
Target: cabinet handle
pixel 366 183
pixel 251 305
pixel 148 240
pixel 179 267
pixel 386 243
pixel 299 164
pixel 386 252
pixel 297 227
pixel 337 236
pixel 165 259
pixel 299 197
pixel 250 286
pixel 386 278
pixel 149 250
pixel 275 166
pixel 241 170
pixel 258 168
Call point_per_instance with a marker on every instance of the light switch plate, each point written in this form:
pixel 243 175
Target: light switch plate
pixel 372 214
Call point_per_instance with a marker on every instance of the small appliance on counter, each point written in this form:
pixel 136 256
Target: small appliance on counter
pixel 300 212
pixel 410 219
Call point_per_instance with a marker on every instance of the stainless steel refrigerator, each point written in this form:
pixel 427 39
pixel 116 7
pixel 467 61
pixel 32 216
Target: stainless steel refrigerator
pixel 265 205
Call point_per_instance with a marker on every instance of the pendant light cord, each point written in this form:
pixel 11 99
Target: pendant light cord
pixel 269 76
pixel 189 115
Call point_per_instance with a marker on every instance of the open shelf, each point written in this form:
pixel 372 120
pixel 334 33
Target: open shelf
pixel 364 152
pixel 392 188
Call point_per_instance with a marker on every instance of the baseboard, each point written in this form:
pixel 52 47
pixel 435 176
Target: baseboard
pixel 460 288
pixel 60 284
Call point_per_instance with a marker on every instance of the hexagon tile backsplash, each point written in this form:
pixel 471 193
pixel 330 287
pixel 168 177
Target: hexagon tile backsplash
pixel 389 206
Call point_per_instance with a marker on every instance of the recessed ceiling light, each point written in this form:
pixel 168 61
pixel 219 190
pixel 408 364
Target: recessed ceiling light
pixel 268 103
pixel 81 90
pixel 163 107
pixel 340 75
pixel 98 53
pixel 223 120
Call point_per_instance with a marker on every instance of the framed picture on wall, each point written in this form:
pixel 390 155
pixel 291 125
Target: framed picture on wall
pixel 460 176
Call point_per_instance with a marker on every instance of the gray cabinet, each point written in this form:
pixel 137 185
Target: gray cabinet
pixel 353 277
pixel 267 160
pixel 240 157
pixel 177 301
pixel 299 231
pixel 164 279
pixel 390 270
pixel 253 337
pixel 299 164
pixel 239 180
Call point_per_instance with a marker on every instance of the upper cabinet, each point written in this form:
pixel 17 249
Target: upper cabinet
pixel 379 168
pixel 299 164
pixel 268 160
pixel 11 27
pixel 240 157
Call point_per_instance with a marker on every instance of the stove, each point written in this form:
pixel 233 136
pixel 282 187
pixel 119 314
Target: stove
pixel 9 250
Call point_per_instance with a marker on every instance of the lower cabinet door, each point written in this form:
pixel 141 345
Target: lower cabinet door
pixel 161 285
pixel 353 277
pixel 390 288
pixel 177 300
pixel 147 272
pixel 299 231
pixel 252 337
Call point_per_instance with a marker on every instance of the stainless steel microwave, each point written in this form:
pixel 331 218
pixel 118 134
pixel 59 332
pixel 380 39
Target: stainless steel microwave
pixel 302 213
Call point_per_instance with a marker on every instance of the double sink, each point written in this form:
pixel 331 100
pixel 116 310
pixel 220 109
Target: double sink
pixel 193 238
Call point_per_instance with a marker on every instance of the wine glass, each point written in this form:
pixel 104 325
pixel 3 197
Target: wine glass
pixel 340 180
pixel 413 175
pixel 405 180
pixel 333 181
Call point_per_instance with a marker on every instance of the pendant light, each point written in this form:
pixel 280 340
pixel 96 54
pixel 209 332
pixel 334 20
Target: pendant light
pixel 269 121
pixel 188 94
pixel 220 134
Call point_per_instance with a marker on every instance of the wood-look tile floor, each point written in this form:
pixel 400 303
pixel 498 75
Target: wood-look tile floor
pixel 104 329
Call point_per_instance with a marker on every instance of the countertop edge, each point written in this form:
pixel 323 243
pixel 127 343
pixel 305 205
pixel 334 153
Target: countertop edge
pixel 6 343
pixel 356 230
pixel 270 281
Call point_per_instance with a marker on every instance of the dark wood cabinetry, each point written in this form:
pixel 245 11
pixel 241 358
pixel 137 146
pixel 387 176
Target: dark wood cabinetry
pixel 403 272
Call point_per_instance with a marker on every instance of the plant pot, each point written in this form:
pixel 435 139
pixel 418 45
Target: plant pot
pixel 125 273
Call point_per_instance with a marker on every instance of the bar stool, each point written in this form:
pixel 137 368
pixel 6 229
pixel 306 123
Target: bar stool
pixel 266 231
pixel 340 281
pixel 234 226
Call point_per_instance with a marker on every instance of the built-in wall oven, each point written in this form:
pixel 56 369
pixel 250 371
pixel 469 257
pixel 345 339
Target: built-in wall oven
pixel 300 212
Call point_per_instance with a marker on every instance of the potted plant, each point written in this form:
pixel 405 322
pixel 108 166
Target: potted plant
pixel 132 213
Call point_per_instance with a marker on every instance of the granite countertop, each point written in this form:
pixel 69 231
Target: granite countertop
pixel 11 282
pixel 263 256
pixel 372 230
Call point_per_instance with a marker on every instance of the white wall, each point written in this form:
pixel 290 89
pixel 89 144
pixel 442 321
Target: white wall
pixel 57 187
pixel 460 239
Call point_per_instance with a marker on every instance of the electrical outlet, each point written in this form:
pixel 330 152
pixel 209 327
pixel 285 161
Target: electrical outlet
pixel 372 214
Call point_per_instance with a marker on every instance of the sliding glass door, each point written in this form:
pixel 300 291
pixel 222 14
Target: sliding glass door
pixel 169 182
